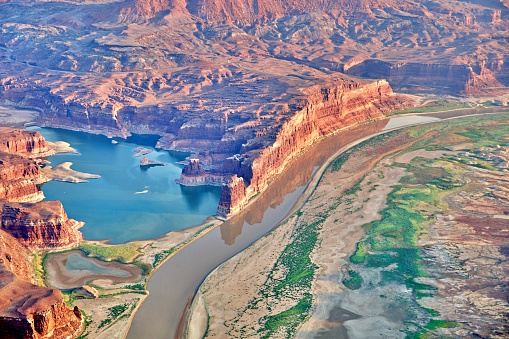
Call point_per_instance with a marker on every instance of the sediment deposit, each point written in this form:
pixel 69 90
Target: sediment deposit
pixel 406 235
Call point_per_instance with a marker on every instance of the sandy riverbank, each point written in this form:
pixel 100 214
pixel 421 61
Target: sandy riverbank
pixel 113 292
pixel 63 172
pixel 240 296
pixel 225 295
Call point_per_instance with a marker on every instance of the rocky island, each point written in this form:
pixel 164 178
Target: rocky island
pixel 146 162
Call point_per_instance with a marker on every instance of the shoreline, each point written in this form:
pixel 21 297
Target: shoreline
pixel 317 176
pixel 311 186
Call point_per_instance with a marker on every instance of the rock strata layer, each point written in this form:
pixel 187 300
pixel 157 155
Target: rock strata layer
pixel 324 110
pixel 27 310
pixel 231 81
pixel 193 174
pixel 41 225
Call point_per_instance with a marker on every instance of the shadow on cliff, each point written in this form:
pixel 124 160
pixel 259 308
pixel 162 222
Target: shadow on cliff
pixel 297 173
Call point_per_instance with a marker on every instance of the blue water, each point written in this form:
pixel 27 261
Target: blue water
pixel 109 206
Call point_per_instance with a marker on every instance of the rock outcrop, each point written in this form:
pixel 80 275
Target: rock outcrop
pixel 470 79
pixel 40 314
pixel 27 310
pixel 322 111
pixel 193 174
pixel 23 143
pixel 146 162
pixel 19 172
pixel 35 223
pixel 41 225
pixel 19 177
pixel 233 197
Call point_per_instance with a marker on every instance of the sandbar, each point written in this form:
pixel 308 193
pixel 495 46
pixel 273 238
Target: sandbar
pixel 63 172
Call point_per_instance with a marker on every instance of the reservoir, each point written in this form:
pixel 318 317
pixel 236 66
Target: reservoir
pixel 127 202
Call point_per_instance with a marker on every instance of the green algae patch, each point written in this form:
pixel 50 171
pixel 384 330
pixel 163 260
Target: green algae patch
pixel 353 281
pixel 287 319
pixel 125 253
pixel 289 279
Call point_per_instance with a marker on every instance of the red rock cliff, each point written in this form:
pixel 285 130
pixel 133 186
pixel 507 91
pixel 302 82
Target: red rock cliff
pixel 26 143
pixel 193 174
pixel 41 225
pixel 19 177
pixel 28 311
pixel 321 110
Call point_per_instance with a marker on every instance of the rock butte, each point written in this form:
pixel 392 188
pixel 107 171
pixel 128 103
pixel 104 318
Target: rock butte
pixel 28 310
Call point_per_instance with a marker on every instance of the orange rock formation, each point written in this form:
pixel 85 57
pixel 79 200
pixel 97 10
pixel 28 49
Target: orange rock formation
pixel 27 310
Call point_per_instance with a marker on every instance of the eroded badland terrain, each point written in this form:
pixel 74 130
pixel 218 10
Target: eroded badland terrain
pixel 243 86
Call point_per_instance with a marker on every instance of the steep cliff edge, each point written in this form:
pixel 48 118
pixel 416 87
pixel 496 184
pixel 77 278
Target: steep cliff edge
pixel 23 143
pixel 193 174
pixel 19 177
pixel 41 225
pixel 19 171
pixel 320 111
pixel 35 223
pixel 28 311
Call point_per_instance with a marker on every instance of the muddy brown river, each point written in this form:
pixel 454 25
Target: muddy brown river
pixel 173 285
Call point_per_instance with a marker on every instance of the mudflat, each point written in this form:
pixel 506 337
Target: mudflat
pixel 398 238
pixel 64 276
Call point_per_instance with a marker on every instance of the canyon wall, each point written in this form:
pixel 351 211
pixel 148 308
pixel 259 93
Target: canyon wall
pixel 23 143
pixel 321 110
pixel 36 313
pixel 35 223
pixel 19 172
pixel 29 311
pixel 470 79
pixel 41 225
pixel 19 177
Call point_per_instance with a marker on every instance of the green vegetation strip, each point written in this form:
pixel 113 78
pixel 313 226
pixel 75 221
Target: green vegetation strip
pixel 117 312
pixel 124 253
pixel 391 243
pixel 300 270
